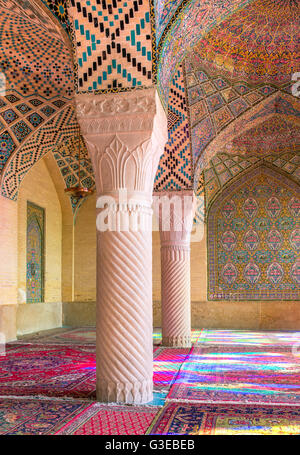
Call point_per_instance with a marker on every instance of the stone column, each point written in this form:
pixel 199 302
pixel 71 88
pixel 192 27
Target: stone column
pixel 175 211
pixel 125 135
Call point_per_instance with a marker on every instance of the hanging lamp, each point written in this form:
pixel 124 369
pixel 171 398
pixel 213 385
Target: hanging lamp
pixel 78 191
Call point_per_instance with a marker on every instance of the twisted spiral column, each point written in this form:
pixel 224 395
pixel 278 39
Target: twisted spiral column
pixel 176 295
pixel 125 134
pixel 124 317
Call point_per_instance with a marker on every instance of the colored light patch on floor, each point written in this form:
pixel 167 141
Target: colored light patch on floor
pixel 159 399
pixel 245 372
pixel 157 336
pixel 245 338
pixel 166 365
pixel 196 419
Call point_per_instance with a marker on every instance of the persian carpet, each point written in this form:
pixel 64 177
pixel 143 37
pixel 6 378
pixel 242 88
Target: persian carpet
pixel 84 335
pixel 166 365
pixel 244 371
pixel 101 419
pixel 197 419
pixel 68 370
pixel 248 338
pixel 35 417
pixel 48 370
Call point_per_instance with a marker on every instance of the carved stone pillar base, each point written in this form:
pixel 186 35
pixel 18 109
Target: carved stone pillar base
pixel 175 342
pixel 124 392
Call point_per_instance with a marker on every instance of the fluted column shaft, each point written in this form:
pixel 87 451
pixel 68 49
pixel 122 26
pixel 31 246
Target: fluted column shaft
pixel 175 266
pixel 125 135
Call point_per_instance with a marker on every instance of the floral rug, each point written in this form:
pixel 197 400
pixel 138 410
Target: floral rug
pixel 70 370
pixel 35 417
pixel 229 382
pixel 48 370
pixel 197 419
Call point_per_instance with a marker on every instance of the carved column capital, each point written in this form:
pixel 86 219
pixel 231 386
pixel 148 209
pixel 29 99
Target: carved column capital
pixel 125 135
pixel 116 112
pixel 175 213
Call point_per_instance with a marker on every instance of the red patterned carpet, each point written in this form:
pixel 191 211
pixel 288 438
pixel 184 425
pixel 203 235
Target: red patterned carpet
pixel 111 420
pixel 48 370
pixel 56 370
pixel 229 382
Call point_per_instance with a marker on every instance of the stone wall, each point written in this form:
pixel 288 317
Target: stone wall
pixel 38 188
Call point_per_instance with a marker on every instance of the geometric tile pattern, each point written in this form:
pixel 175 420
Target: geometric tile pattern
pixel 66 156
pixel 9 116
pixel 200 211
pixel 166 12
pixel 33 56
pixel 21 119
pixel 113 44
pixel 35 119
pixel 288 162
pixel 246 39
pixel 276 134
pixel 21 130
pixel 256 43
pixel 215 102
pixel 269 127
pixel 175 166
pixel 253 238
pixel 223 167
pixel 53 132
pixel 184 30
pixel 34 13
pixel 7 146
pixel 59 9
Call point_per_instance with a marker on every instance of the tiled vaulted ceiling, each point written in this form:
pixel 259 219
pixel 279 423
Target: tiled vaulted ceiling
pixel 231 95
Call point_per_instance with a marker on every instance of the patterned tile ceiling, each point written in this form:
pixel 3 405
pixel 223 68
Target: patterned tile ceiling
pixel 236 93
pixel 257 43
pixel 185 29
pixel 216 102
pixel 252 40
pixel 33 55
